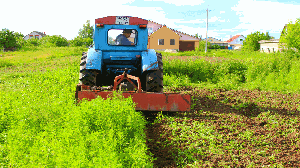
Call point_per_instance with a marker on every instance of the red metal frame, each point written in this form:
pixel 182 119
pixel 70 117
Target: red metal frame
pixel 145 101
pixel 120 78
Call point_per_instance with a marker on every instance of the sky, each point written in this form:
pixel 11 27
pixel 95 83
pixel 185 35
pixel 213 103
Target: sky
pixel 225 18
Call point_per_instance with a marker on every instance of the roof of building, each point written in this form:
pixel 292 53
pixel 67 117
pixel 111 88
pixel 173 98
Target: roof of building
pixel 166 27
pixel 40 33
pixel 233 38
pixel 176 31
pixel 269 41
pixel 218 42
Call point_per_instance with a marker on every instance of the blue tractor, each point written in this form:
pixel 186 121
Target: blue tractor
pixel 120 44
pixel 119 52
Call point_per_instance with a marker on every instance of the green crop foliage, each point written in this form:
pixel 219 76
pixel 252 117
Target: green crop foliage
pixel 41 126
pixel 242 69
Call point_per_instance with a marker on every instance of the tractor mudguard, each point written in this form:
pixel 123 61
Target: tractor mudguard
pixel 94 59
pixel 149 60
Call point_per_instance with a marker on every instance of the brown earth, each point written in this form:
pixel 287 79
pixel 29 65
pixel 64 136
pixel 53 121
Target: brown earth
pixel 283 146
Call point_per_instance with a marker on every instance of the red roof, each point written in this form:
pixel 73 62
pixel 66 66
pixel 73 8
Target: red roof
pixel 233 38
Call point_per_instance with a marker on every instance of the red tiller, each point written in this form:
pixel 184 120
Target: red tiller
pixel 145 101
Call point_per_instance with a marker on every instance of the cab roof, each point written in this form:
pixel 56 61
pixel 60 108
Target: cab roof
pixel 121 20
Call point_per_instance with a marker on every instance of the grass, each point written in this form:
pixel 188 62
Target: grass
pixel 40 124
pixel 245 112
pixel 270 72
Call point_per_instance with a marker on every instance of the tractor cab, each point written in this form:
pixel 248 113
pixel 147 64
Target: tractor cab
pixel 109 30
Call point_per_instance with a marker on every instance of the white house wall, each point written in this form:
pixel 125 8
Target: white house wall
pixel 237 40
pixel 269 47
pixel 33 33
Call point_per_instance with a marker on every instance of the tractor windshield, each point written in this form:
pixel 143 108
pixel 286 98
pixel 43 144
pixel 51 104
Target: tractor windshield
pixel 123 37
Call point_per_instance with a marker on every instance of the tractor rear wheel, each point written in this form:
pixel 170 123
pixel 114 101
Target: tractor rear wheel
pixel 154 79
pixel 86 77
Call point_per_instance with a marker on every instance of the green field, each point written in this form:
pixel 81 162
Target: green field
pixel 269 72
pixel 40 125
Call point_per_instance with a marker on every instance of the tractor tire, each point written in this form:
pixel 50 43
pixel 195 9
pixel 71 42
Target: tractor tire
pixel 154 79
pixel 86 77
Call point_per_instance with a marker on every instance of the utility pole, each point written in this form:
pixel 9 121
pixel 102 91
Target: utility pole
pixel 206 31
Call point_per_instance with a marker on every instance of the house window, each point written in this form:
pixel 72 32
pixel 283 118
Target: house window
pixel 37 36
pixel 172 41
pixel 30 36
pixel 160 41
pixel 150 29
pixel 241 39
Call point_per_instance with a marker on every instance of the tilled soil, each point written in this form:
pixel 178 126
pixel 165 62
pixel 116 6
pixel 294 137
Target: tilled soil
pixel 243 108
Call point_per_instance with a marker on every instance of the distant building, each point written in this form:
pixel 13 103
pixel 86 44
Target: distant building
pixel 35 34
pixel 161 37
pixel 214 41
pixel 236 42
pixel 269 46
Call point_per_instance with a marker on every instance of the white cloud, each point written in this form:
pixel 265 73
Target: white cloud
pixel 212 19
pixel 188 21
pixel 66 19
pixel 190 30
pixel 215 19
pixel 222 12
pixel 267 16
pixel 181 2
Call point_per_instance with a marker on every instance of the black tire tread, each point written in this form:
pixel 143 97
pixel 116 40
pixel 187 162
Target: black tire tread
pixel 154 79
pixel 86 77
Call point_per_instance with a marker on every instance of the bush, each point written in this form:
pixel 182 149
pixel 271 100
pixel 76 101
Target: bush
pixel 80 41
pixel 50 41
pixel 202 45
pixel 290 37
pixel 215 46
pixel 251 42
pixel 33 41
pixel 7 39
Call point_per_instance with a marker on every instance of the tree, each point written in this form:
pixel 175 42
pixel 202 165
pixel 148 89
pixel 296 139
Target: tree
pixel 85 35
pixel 7 39
pixel 251 42
pixel 197 36
pixel 20 40
pixel 290 36
pixel 87 31
pixel 202 44
pixel 268 36
pixel 215 46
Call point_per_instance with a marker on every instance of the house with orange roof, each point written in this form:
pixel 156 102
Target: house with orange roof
pixel 236 42
pixel 161 37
